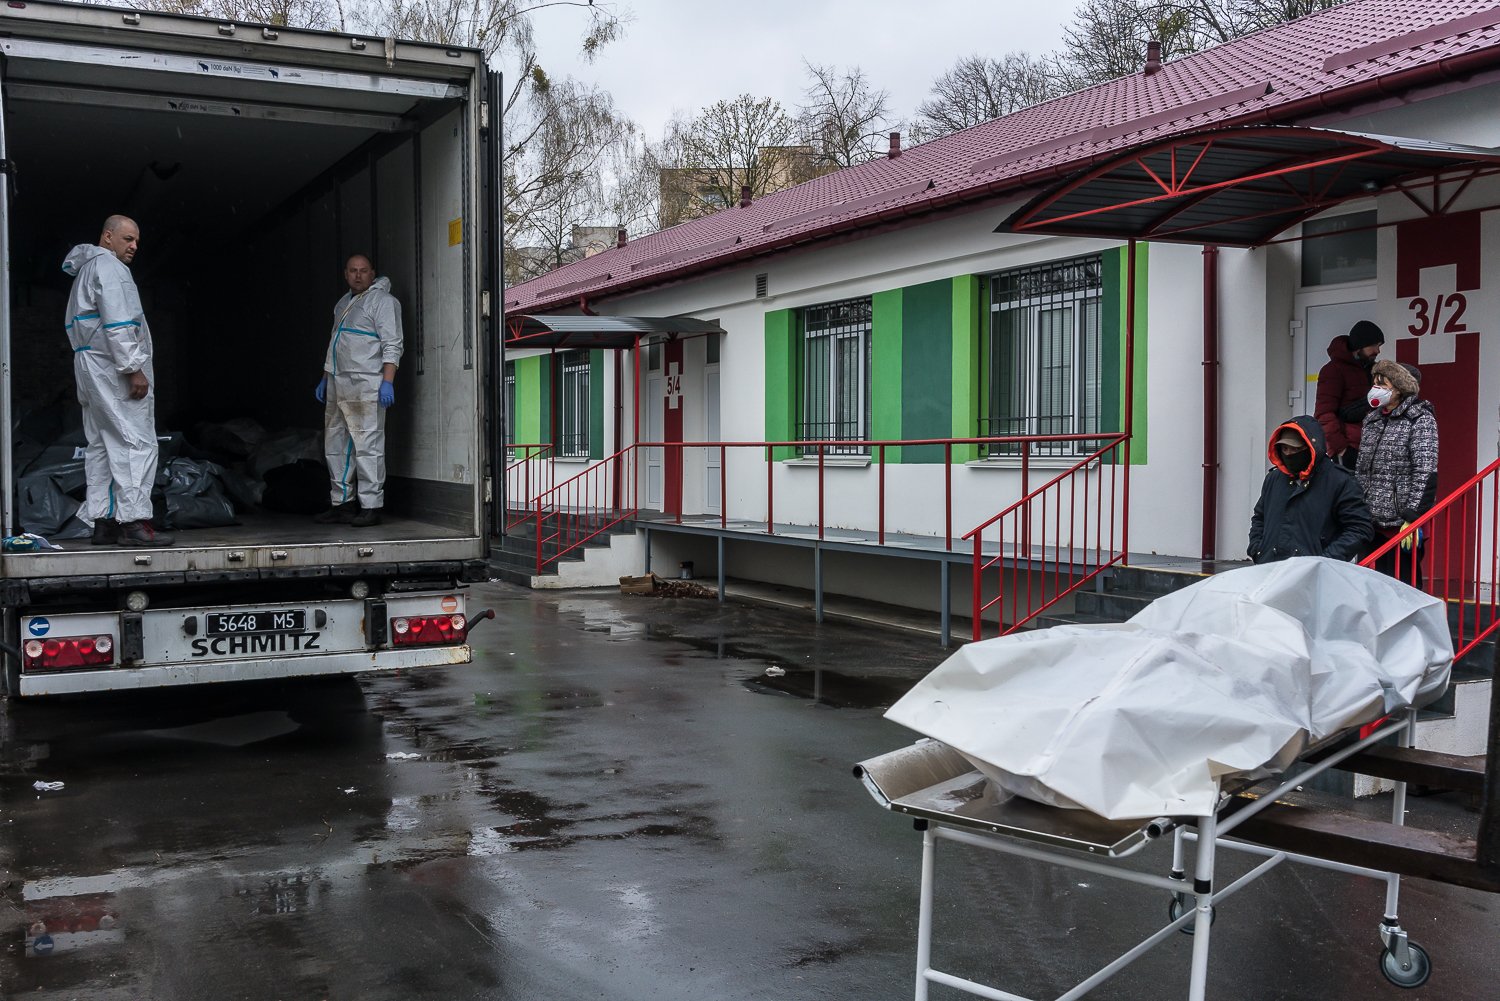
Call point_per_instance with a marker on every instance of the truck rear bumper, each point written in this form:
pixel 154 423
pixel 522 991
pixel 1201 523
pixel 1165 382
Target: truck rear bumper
pixel 126 678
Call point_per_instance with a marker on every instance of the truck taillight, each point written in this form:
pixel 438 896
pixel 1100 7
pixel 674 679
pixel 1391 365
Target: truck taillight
pixel 58 653
pixel 427 630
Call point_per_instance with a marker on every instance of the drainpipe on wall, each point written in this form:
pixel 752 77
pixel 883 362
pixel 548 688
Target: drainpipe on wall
pixel 1210 400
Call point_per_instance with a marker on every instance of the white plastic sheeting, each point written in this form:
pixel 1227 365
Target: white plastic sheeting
pixel 1234 676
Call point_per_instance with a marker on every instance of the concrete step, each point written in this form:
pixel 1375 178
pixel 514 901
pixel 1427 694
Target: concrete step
pixel 511 575
pixel 1149 581
pixel 577 524
pixel 1072 619
pixel 1111 606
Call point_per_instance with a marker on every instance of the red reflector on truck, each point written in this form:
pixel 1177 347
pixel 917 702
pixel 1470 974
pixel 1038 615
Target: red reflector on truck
pixel 58 653
pixel 427 630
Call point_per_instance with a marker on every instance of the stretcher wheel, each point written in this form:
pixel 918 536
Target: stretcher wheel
pixel 1415 973
pixel 1178 904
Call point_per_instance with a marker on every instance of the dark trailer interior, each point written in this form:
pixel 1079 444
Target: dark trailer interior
pixel 252 181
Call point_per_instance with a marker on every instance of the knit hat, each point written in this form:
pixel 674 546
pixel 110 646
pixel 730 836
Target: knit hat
pixel 1399 376
pixel 1363 334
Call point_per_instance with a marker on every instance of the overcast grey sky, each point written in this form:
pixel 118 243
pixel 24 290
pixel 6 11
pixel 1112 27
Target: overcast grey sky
pixel 683 55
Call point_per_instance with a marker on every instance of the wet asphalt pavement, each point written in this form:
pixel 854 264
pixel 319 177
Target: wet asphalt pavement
pixel 612 802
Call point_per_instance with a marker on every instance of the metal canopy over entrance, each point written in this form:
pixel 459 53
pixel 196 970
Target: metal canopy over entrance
pixel 1238 187
pixel 525 331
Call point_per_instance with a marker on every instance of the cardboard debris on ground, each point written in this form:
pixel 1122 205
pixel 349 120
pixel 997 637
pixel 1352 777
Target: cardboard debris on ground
pixel 652 584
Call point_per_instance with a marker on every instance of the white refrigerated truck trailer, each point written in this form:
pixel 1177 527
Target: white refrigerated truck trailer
pixel 255 160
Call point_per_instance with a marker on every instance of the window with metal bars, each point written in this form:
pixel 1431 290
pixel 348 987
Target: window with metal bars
pixel 510 409
pixel 1044 355
pixel 836 374
pixel 573 402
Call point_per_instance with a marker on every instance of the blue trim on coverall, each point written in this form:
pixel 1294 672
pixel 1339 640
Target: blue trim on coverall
pixel 348 458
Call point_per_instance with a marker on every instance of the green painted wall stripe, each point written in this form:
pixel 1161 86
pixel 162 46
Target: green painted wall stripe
pixel 1112 343
pixel 782 386
pixel 1112 365
pixel 926 367
pixel 596 403
pixel 885 368
pixel 965 367
pixel 528 400
pixel 1139 436
pixel 544 398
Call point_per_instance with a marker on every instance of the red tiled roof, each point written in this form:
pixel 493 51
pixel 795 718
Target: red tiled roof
pixel 1294 69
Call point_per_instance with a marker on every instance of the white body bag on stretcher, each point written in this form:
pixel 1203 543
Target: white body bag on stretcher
pixel 1231 677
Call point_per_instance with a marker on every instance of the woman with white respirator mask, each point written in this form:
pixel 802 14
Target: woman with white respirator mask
pixel 1398 466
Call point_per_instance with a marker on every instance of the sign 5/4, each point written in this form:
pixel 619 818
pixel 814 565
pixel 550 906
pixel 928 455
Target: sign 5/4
pixel 1438 314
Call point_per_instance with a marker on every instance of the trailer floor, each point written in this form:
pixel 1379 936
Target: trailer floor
pixel 270 528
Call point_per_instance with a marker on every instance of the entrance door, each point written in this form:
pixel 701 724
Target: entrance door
pixel 713 497
pixel 1324 317
pixel 655 387
pixel 672 410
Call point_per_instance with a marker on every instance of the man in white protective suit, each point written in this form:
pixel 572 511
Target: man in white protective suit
pixel 116 387
pixel 364 351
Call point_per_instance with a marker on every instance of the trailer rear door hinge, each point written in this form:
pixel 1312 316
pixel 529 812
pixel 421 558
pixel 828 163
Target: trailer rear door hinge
pixel 484 304
pixel 484 114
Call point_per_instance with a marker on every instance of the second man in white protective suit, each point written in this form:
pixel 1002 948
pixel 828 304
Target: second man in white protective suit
pixel 364 350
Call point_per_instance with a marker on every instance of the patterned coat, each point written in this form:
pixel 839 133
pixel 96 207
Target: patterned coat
pixel 1398 462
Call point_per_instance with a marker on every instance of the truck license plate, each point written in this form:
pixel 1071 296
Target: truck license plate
pixel 290 620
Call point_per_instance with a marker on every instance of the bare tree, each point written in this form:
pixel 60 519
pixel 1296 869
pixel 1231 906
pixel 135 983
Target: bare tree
pixel 1107 38
pixel 558 151
pixel 844 118
pixel 1264 13
pixel 322 14
pixel 502 29
pixel 977 89
pixel 747 142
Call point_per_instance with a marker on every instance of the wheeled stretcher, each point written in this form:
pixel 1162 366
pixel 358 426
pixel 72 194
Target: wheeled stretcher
pixel 950 800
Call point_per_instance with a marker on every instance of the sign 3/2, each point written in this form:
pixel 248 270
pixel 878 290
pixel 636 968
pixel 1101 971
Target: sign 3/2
pixel 1438 314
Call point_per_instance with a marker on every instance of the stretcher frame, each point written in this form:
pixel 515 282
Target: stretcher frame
pixel 944 795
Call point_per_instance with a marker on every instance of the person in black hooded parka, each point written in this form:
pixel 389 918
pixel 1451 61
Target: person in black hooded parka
pixel 1309 505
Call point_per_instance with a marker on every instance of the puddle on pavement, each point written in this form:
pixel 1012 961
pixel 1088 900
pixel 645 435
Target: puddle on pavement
pixel 830 688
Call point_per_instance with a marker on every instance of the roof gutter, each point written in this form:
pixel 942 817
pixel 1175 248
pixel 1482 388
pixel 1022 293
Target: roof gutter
pixel 1391 85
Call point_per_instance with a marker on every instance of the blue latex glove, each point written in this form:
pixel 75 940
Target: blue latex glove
pixel 322 391
pixel 387 394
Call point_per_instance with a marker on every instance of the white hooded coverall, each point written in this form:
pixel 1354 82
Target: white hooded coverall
pixel 366 336
pixel 110 338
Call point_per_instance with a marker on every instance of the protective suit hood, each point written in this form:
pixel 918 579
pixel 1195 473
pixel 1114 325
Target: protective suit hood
pixel 81 255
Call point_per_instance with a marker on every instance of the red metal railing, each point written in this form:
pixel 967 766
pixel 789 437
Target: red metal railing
pixel 584 507
pixel 573 512
pixel 1456 557
pixel 1055 539
pixel 530 475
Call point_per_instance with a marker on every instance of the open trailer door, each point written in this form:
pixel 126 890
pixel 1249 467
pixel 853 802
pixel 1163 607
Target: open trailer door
pixel 492 235
pixel 6 482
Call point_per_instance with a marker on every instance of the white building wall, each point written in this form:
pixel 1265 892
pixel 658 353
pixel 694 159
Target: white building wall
pixel 958 246
pixel 1258 294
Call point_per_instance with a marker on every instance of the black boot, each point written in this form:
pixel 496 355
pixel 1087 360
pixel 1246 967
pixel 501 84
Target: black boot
pixel 141 534
pixel 366 517
pixel 339 514
pixel 106 532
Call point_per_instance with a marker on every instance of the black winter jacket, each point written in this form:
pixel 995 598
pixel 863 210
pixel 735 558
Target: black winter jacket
pixel 1319 512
